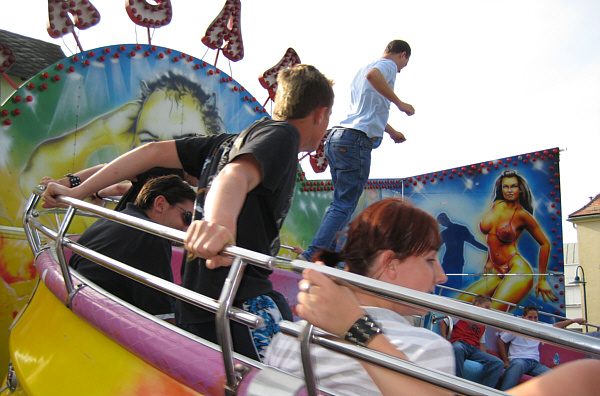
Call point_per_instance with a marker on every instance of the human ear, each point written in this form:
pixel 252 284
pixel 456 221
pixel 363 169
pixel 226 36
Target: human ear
pixel 390 264
pixel 319 114
pixel 160 203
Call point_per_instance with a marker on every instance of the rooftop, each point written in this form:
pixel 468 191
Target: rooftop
pixel 31 55
pixel 590 209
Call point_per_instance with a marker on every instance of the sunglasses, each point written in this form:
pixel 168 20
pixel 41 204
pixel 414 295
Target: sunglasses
pixel 187 215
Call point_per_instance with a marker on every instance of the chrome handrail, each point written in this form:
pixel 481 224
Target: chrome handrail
pixel 305 338
pixel 223 307
pixel 230 287
pixel 450 323
pixel 510 304
pixel 32 237
pixel 157 283
pixel 498 319
pixel 431 376
pixel 60 253
pixel 434 303
pixel 254 258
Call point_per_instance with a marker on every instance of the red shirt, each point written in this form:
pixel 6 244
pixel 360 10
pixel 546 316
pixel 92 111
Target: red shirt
pixel 468 332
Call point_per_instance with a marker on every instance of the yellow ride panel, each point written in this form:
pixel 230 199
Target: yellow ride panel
pixel 54 352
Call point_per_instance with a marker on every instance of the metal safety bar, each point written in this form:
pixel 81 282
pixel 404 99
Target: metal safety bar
pixel 510 304
pixel 155 282
pixel 576 341
pixel 435 303
pixel 431 376
pixel 305 337
pixel 223 307
pixel 437 318
pixel 230 287
pixel 572 340
pixel 254 258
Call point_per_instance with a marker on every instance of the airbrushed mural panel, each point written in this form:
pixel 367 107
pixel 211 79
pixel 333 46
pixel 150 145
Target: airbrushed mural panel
pixel 500 221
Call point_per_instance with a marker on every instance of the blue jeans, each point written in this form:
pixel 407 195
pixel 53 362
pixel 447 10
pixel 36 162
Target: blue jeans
pixel 517 368
pixel 492 366
pixel 348 152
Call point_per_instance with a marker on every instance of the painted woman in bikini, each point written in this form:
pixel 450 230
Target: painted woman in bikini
pixel 511 214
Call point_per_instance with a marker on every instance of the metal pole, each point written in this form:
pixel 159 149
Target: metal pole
pixel 583 282
pixel 222 322
pixel 500 320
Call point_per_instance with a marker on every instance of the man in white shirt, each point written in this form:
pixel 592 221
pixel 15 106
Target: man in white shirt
pixel 349 144
pixel 523 353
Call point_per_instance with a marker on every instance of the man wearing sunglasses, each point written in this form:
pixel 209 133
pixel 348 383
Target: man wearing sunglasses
pixel 166 200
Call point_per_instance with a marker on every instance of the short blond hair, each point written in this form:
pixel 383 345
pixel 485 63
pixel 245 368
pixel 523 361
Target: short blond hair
pixel 300 90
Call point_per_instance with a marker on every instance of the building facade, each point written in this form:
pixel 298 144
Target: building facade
pixel 587 223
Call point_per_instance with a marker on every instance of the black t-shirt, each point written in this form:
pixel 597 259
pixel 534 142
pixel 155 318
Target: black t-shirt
pixel 275 145
pixel 147 252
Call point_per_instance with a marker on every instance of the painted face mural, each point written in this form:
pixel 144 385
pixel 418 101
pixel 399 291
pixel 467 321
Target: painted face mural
pixel 94 106
pixel 87 110
pixel 510 188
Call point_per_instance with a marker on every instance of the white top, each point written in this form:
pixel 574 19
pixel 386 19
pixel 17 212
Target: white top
pixel 521 347
pixel 369 110
pixel 345 374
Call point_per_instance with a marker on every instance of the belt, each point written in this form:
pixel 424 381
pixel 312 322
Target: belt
pixel 373 140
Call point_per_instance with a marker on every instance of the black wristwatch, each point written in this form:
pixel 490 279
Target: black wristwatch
pixel 74 180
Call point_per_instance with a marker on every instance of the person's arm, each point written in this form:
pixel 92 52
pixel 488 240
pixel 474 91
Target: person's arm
pixel 206 238
pixel 482 343
pixel 391 383
pixel 125 167
pixel 116 190
pixel 298 250
pixel 379 83
pixel 320 306
pixel 444 328
pixel 482 347
pixel 83 175
pixel 502 352
pixel 397 136
pixel 564 323
pixel 572 378
pixel 543 286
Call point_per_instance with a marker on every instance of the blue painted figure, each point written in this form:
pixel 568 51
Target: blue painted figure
pixel 455 236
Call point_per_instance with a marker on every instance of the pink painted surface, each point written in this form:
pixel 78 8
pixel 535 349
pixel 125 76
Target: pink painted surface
pixel 139 335
pixel 286 283
pixel 190 362
pixel 176 262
